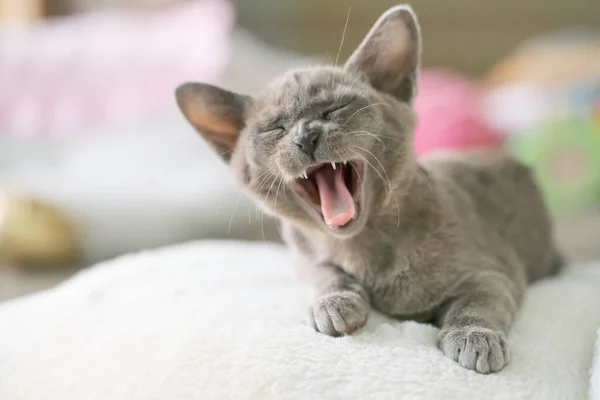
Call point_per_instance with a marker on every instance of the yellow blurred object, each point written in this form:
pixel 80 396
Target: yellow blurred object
pixel 35 233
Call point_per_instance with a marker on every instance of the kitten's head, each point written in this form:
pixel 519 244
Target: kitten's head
pixel 324 147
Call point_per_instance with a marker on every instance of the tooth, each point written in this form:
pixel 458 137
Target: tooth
pixel 305 175
pixel 332 165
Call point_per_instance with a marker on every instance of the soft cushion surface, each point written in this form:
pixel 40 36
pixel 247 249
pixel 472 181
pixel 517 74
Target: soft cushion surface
pixel 226 320
pixel 595 379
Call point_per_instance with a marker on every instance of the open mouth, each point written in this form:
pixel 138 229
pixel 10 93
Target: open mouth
pixel 333 189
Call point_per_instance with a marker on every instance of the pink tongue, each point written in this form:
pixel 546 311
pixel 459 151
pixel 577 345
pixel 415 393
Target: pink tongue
pixel 337 204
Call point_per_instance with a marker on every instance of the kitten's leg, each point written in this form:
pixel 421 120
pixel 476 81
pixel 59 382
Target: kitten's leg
pixel 476 319
pixel 342 304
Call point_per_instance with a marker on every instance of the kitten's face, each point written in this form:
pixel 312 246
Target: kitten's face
pixel 324 133
pixel 321 146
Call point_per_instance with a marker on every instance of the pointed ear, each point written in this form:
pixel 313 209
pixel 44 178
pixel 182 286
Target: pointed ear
pixel 389 55
pixel 217 114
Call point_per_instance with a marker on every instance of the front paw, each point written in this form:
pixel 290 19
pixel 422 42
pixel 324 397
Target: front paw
pixel 339 313
pixel 480 349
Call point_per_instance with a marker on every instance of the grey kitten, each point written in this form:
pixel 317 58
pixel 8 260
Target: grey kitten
pixel 453 239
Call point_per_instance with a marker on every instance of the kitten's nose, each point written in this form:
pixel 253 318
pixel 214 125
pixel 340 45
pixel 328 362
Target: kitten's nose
pixel 306 139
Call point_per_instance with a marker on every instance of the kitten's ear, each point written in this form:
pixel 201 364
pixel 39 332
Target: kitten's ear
pixel 217 114
pixel 389 55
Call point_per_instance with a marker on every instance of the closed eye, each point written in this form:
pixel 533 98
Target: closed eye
pixel 329 113
pixel 274 129
pixel 273 124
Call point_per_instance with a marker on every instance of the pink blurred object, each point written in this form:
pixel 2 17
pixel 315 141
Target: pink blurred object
pixel 449 109
pixel 63 76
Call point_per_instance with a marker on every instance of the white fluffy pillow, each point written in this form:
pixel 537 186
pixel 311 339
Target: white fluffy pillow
pixel 225 320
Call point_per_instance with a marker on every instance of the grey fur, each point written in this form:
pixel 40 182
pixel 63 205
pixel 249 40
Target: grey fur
pixel 452 239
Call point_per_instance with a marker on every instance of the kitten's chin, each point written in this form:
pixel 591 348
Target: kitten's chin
pixel 334 190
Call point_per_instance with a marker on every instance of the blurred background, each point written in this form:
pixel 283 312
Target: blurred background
pixel 96 161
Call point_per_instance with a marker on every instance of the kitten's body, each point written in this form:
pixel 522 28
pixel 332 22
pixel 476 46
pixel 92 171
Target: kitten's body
pixel 452 240
pixel 412 258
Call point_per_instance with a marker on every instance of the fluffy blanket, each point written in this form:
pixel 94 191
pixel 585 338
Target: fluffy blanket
pixel 226 320
pixel 595 382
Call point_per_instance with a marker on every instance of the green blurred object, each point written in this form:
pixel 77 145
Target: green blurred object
pixel 565 155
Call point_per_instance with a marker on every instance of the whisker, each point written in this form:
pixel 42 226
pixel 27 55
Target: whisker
pixel 397 210
pixel 382 167
pixel 361 109
pixel 426 178
pixel 262 183
pixel 365 133
pixel 330 59
pixel 276 193
pixel 233 213
pixel 389 137
pixel 343 37
pixel 271 187
pixel 362 188
pixel 394 151
pixel 372 166
pixel 260 187
pixel 389 183
pixel 378 137
pixel 277 190
pixel 261 177
pixel 380 164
